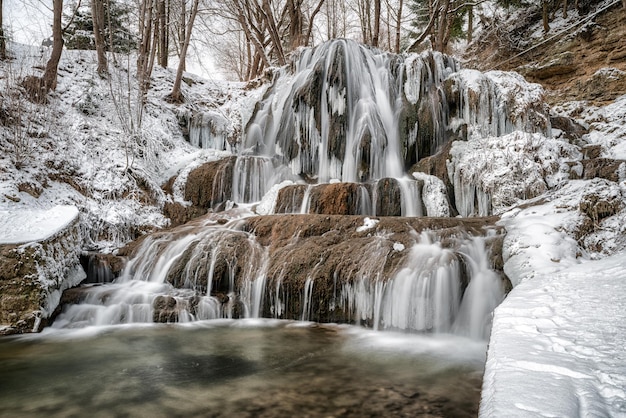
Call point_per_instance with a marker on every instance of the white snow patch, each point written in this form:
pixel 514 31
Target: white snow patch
pixel 557 342
pixel 557 345
pixel 34 225
pixel 502 171
pixel 434 195
pixel 368 223
pixel 398 246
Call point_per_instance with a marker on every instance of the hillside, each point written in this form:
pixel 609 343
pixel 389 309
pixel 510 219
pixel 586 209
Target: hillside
pixel 581 58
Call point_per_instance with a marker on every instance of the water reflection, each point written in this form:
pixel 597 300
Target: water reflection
pixel 225 368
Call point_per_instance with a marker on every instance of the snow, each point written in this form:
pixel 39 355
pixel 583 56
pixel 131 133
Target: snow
pixel 507 169
pixel 268 203
pixel 34 225
pixel 557 342
pixel 434 195
pixel 606 125
pixel 368 224
pixel 557 345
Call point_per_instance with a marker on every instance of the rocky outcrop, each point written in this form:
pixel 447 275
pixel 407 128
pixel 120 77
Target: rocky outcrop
pixel 558 65
pixel 206 187
pixel 435 165
pixel 291 253
pixel 33 275
pixel 100 267
pixel 606 168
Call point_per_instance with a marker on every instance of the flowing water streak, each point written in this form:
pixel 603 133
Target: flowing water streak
pixel 307 298
pixel 484 293
pixel 355 112
pixel 425 293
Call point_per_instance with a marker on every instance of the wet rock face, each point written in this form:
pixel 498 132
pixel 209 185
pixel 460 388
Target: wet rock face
pixel 164 309
pixel 101 268
pixel 605 168
pixel 304 262
pixel 330 251
pixel 289 199
pixel 335 199
pixel 211 183
pixel 388 198
pixel 206 188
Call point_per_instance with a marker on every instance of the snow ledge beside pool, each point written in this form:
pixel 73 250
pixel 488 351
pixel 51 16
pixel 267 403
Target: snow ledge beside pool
pixel 34 225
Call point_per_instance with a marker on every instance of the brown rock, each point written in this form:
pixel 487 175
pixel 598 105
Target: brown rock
pixel 603 168
pixel 335 199
pixel 211 183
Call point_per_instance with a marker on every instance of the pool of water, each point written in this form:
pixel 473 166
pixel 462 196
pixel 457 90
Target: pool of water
pixel 239 368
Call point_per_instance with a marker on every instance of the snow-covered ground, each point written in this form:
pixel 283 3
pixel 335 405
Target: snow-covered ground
pixel 558 343
pixel 87 150
pixel 23 226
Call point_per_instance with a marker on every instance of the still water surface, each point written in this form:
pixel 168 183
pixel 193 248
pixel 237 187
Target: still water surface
pixel 238 368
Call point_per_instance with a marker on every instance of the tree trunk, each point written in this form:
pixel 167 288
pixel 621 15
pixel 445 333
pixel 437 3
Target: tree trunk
pixel 544 16
pixel 440 39
pixel 163 29
pixel 49 79
pixel 470 24
pixel 376 34
pixel 176 95
pixel 97 15
pixel 296 20
pixel 273 31
pixel 398 26
pixel 3 45
pixel 307 39
pixel 145 45
pixel 564 9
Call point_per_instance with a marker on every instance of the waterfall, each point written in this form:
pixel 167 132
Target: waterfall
pixel 336 137
pixel 212 271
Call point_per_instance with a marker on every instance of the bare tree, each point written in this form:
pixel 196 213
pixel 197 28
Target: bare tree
pixel 398 25
pixel 37 87
pixel 317 9
pixel 376 32
pixel 97 14
pixel 3 47
pixel 52 67
pixel 544 16
pixel 163 31
pixel 176 95
pixel 147 47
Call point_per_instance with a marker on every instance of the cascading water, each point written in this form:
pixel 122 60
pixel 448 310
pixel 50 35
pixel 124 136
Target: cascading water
pixel 345 127
pixel 214 271
pixel 350 113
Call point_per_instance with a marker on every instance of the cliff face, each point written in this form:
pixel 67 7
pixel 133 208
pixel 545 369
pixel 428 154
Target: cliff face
pixel 581 58
pixel 33 275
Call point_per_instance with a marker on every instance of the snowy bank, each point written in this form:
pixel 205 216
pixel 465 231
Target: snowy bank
pixel 39 259
pixel 557 345
pixel 23 226
pixel 557 342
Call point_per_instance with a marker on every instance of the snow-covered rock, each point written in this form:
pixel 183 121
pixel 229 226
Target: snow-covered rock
pixel 39 259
